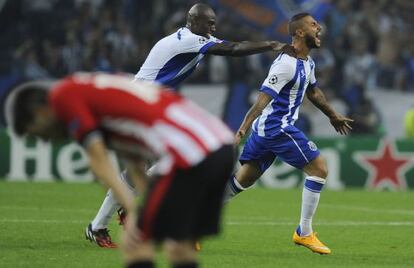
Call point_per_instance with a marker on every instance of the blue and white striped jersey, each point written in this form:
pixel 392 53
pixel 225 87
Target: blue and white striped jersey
pixel 287 82
pixel 175 57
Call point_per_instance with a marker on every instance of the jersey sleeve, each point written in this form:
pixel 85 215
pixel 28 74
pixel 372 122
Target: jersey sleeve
pixel 312 81
pixel 75 114
pixel 192 43
pixel 280 74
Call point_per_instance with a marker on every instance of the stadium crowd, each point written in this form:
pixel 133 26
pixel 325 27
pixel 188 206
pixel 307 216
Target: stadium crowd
pixel 368 45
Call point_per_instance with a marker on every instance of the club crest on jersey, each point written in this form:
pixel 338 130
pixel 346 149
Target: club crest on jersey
pixel 273 80
pixel 312 146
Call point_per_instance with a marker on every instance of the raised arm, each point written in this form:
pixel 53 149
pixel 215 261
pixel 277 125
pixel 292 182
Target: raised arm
pixel 339 122
pixel 262 101
pixel 248 48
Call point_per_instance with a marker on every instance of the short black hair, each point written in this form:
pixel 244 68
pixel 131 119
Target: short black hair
pixel 294 22
pixel 21 104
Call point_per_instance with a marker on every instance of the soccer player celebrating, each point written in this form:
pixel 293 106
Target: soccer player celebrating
pixel 272 119
pixel 141 122
pixel 170 61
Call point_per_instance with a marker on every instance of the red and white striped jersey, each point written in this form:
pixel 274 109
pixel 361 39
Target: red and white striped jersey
pixel 138 119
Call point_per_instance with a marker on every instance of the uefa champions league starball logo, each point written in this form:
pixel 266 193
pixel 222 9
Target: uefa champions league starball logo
pixel 273 80
pixel 202 40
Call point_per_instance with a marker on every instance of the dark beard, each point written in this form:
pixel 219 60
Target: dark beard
pixel 310 41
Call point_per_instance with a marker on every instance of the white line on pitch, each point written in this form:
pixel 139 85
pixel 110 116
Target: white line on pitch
pixel 323 206
pixel 241 223
pixel 81 210
pixel 42 221
pixel 373 210
pixel 330 223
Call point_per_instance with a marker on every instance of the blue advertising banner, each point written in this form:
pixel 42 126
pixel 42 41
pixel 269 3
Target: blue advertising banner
pixel 271 16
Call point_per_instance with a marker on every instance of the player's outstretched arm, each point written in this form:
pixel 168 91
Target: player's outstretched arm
pixel 104 170
pixel 248 48
pixel 339 122
pixel 262 101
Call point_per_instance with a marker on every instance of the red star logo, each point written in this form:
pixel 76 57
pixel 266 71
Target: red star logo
pixel 385 168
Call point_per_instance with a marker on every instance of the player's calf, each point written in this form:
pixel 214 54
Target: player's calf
pixel 245 177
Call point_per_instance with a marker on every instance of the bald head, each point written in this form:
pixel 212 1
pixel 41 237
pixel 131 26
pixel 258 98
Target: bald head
pixel 201 20
pixel 199 9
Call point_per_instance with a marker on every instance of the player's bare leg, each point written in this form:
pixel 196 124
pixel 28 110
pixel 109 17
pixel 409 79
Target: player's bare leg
pixel 136 252
pixel 181 253
pixel 245 177
pixel 316 172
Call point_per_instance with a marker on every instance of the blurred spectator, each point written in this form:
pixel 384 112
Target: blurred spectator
pixel 26 62
pixel 358 71
pixel 367 120
pixel 367 45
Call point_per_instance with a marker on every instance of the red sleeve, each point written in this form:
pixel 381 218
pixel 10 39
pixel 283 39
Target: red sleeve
pixel 71 107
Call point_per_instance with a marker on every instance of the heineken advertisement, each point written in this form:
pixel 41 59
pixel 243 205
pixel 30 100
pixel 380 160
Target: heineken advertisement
pixel 372 163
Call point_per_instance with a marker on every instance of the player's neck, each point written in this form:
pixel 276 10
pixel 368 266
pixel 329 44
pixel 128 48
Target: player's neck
pixel 302 50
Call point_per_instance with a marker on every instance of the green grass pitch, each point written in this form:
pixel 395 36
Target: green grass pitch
pixel 42 224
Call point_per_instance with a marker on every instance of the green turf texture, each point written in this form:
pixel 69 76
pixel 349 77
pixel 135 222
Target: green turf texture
pixel 42 225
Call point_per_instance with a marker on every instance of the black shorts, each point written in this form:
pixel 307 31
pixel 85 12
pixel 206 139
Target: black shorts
pixel 187 203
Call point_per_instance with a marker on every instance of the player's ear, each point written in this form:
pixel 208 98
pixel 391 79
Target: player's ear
pixel 300 33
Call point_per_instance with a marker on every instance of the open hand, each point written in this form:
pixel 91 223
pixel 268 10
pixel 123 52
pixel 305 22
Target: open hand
pixel 341 124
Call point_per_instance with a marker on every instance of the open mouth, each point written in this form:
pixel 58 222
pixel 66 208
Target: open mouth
pixel 318 38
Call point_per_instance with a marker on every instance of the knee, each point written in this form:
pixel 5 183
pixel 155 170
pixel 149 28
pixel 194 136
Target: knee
pixel 322 169
pixel 317 168
pixel 323 172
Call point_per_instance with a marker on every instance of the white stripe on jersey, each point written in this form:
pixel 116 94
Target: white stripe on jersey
pixel 307 70
pixel 190 65
pixel 215 125
pixel 187 121
pixel 262 119
pixel 293 94
pixel 181 142
pixel 132 128
pixel 158 137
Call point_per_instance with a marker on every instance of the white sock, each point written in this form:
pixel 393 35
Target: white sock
pixel 109 206
pixel 310 199
pixel 233 188
pixel 107 209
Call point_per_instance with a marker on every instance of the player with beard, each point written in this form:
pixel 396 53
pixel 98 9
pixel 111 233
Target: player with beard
pixel 272 119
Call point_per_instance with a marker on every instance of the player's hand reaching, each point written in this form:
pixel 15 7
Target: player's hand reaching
pixel 285 48
pixel 341 124
pixel 239 136
pixel 289 50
